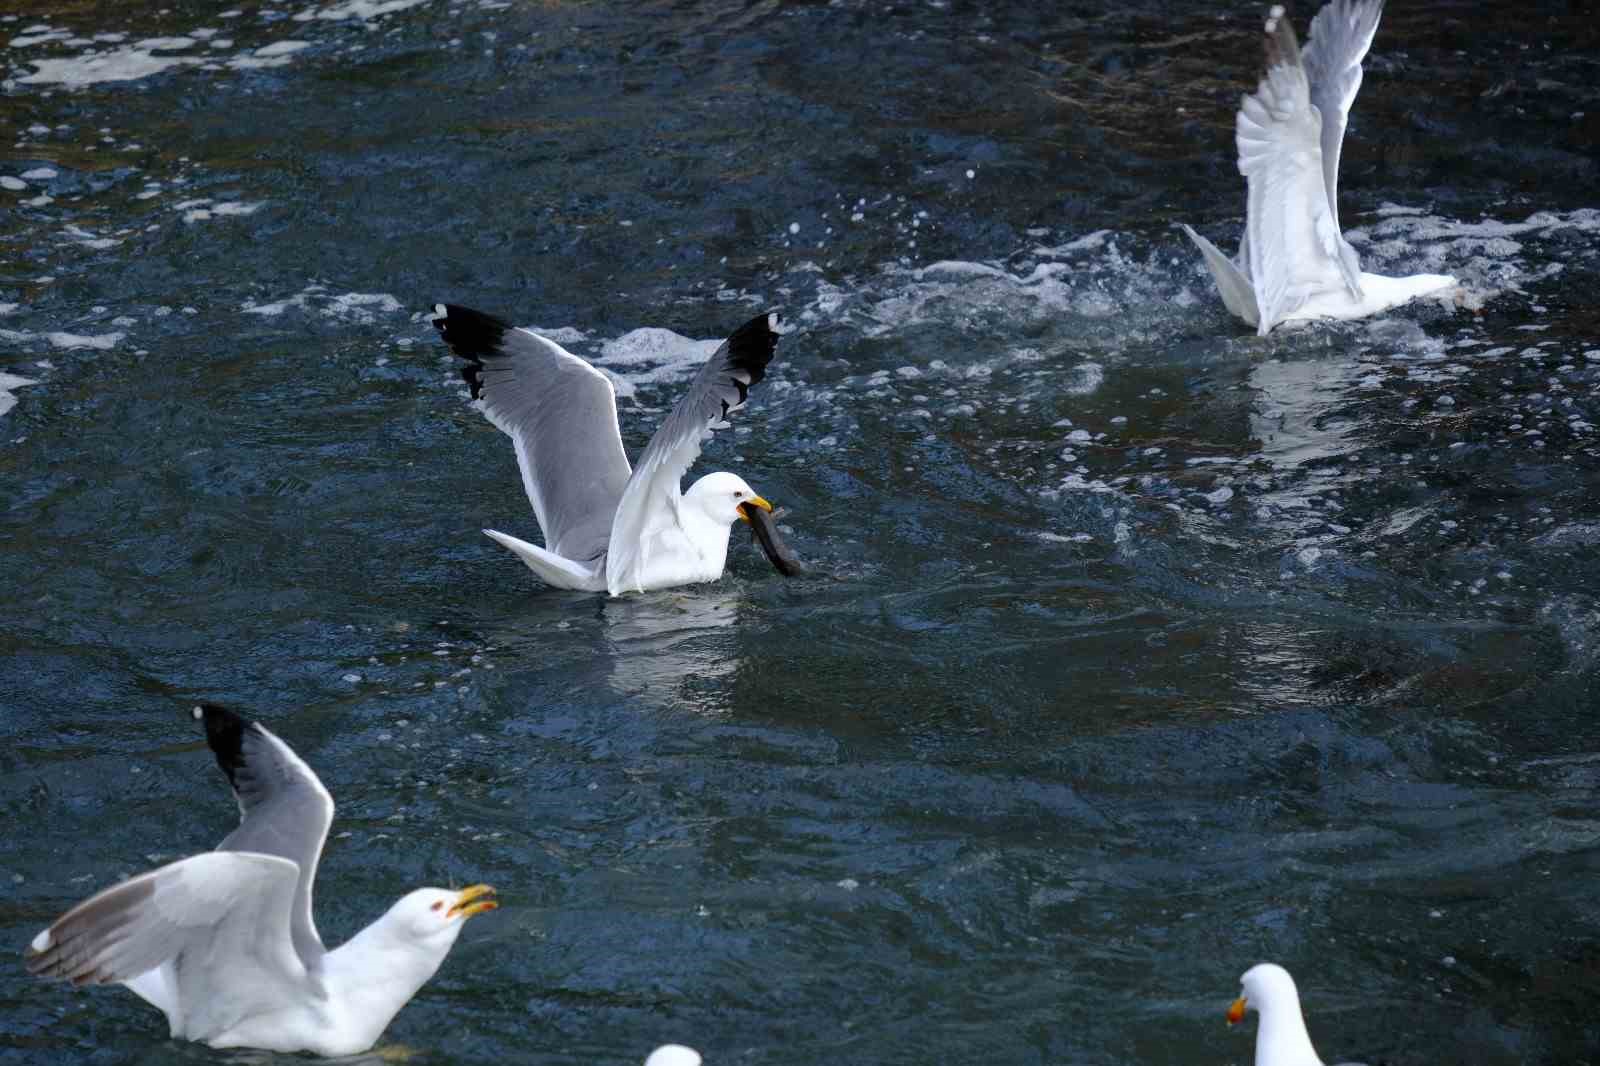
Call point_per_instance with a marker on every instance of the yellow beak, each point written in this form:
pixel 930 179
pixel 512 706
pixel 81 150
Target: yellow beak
pixel 472 901
pixel 754 501
pixel 1236 1011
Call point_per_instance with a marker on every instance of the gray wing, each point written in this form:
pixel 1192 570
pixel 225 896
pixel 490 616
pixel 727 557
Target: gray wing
pixel 1337 42
pixel 717 391
pixel 561 416
pixel 1293 240
pixel 220 920
pixel 283 809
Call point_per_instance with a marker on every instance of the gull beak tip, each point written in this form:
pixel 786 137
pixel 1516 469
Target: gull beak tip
pixel 478 899
pixel 754 501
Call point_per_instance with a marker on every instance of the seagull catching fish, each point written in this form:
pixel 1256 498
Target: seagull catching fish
pixel 608 526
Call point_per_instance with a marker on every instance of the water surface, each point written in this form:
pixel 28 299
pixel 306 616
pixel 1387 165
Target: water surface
pixel 1135 649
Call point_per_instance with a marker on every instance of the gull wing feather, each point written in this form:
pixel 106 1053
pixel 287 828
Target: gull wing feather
pixel 1233 283
pixel 1339 39
pixel 284 810
pixel 719 389
pixel 220 921
pixel 561 416
pixel 1292 237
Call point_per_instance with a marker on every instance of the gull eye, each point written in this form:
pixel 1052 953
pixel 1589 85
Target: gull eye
pixel 737 494
pixel 436 906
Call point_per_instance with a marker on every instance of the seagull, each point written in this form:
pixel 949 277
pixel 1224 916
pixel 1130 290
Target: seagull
pixel 1294 262
pixel 1282 1039
pixel 608 527
pixel 673 1055
pixel 223 943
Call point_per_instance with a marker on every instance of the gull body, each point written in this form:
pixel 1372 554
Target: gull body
pixel 609 527
pixel 1294 262
pixel 223 943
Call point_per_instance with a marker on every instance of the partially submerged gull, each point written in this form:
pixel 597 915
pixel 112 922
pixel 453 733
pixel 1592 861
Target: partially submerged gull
pixel 607 526
pixel 1294 262
pixel 1281 1039
pixel 224 944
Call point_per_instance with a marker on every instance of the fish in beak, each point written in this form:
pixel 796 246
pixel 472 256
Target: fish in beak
pixel 764 530
pixel 747 508
pixel 474 900
pixel 1236 1011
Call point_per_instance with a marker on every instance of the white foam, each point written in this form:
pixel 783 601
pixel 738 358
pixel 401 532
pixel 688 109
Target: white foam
pixel 203 210
pixel 89 240
pixel 38 35
pixel 362 308
pixel 14 184
pixel 121 64
pixel 1091 242
pixel 282 48
pixel 165 44
pixel 561 334
pixel 103 342
pixel 278 54
pixel 672 354
pixel 357 9
pixel 40 174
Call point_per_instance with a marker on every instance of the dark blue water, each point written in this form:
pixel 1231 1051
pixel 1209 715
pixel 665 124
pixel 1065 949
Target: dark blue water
pixel 1135 649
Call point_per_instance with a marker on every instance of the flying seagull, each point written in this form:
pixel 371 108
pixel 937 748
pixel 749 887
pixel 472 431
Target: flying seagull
pixel 608 526
pixel 1281 1039
pixel 1294 262
pixel 223 943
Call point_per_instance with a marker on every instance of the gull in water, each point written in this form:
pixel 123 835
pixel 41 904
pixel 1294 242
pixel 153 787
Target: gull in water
pixel 1281 1039
pixel 223 943
pixel 608 526
pixel 1294 262
pixel 673 1055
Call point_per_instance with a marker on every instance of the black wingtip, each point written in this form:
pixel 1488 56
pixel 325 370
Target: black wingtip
pixel 471 335
pixel 750 349
pixel 225 734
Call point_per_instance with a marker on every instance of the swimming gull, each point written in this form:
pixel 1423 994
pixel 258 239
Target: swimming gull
pixel 608 526
pixel 1294 262
pixel 1281 1039
pixel 223 943
pixel 673 1055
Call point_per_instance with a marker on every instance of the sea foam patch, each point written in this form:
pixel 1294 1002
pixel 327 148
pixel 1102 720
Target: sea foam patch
pixel 356 9
pixel 9 382
pixel 361 308
pixel 204 209
pixel 129 63
pixel 101 342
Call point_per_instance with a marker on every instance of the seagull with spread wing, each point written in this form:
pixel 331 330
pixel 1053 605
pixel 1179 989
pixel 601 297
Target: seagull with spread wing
pixel 1294 262
pixel 608 526
pixel 223 943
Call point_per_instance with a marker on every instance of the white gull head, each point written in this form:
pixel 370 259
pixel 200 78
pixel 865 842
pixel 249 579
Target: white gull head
pixel 720 497
pixel 673 1055
pixel 1282 1039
